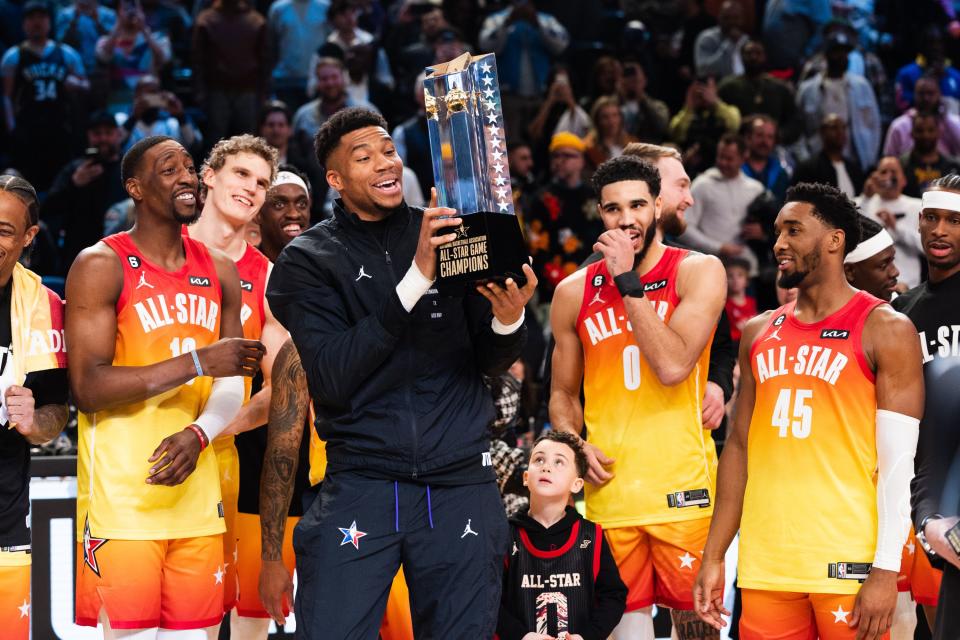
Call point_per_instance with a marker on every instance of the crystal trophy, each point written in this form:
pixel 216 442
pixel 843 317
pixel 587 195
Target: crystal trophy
pixel 469 156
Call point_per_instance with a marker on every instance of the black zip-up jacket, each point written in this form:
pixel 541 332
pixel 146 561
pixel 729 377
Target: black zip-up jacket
pixel 398 395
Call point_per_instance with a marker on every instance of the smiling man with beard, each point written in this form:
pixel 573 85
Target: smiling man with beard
pixel 236 176
pixel 156 370
pixel 816 471
pixel 394 373
pixel 635 328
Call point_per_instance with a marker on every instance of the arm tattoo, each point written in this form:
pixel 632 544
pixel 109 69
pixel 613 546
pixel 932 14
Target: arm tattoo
pixel 690 627
pixel 48 422
pixel 288 412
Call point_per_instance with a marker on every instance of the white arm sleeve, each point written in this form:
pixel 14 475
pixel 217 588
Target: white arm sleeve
pixel 896 447
pixel 226 398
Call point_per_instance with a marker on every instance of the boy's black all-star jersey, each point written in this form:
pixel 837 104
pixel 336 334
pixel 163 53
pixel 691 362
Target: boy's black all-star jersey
pixel 561 580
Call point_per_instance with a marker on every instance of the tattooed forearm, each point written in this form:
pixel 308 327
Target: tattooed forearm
pixel 690 627
pixel 288 412
pixel 48 422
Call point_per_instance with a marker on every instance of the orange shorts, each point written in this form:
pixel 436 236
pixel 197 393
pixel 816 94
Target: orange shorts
pixel 15 600
pixel 229 463
pixel 140 584
pixel 917 575
pixel 783 615
pixel 659 562
pixel 248 562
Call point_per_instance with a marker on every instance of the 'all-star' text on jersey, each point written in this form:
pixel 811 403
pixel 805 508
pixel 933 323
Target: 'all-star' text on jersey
pixel 665 460
pixel 160 315
pixel 809 519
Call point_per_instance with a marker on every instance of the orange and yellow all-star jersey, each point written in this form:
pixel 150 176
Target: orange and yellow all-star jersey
pixel 665 460
pixel 810 509
pixel 160 315
pixel 252 268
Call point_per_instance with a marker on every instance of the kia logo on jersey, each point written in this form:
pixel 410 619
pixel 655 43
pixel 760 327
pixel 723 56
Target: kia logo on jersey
pixel 653 286
pixel 836 334
pixel 198 281
pixel 246 286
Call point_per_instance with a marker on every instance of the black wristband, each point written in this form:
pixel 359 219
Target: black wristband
pixel 629 285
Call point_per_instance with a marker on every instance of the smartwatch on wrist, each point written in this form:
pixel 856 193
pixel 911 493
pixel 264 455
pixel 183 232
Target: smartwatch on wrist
pixel 629 285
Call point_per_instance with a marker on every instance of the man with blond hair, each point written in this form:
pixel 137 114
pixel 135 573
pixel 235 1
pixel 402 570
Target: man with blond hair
pixel 236 176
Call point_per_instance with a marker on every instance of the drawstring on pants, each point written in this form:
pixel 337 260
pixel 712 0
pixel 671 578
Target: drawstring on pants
pixel 396 506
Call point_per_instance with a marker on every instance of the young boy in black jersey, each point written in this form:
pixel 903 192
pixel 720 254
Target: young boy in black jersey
pixel 560 580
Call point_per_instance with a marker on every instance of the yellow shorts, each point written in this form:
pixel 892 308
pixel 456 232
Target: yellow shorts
pixel 783 615
pixel 229 463
pixel 248 562
pixel 139 584
pixel 15 595
pixel 659 562
pixel 917 575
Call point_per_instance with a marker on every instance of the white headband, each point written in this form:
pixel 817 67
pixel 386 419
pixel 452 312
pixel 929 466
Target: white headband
pixel 869 247
pixel 947 200
pixel 286 177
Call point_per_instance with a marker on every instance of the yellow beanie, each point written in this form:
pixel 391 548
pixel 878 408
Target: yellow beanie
pixel 566 139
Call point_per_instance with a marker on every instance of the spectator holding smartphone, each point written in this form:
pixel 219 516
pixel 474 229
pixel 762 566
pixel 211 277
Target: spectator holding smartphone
pixel 883 201
pixel 156 112
pixel 131 50
pixel 85 188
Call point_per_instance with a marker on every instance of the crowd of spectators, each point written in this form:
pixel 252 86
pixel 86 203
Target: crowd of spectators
pixel 756 95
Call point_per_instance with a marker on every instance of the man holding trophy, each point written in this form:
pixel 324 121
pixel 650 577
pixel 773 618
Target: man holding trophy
pixel 394 371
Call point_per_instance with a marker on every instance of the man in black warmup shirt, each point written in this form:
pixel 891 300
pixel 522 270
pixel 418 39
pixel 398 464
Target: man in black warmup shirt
pixel 33 390
pixel 933 307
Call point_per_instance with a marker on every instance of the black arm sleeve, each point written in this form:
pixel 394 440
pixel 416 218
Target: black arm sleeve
pixel 494 353
pixel 938 445
pixel 337 356
pixel 610 597
pixel 723 357
pixel 49 386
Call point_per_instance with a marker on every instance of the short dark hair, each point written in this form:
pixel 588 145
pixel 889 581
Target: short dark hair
pixel 831 206
pixel 869 227
pixel 23 191
pixel 516 144
pixel 626 168
pixel 572 441
pixel 732 138
pixel 274 106
pixel 340 124
pixel 736 262
pixel 132 158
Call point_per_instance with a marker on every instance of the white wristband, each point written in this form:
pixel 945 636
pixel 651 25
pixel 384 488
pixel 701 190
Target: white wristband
pixel 226 398
pixel 412 287
pixel 506 329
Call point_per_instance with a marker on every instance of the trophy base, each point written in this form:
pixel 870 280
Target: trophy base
pixel 490 247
